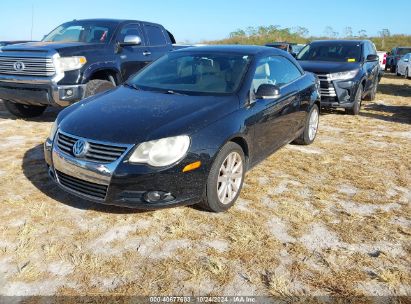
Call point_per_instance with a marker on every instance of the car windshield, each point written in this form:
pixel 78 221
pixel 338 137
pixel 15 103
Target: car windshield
pixel 341 52
pixel 403 51
pixel 82 31
pixel 194 73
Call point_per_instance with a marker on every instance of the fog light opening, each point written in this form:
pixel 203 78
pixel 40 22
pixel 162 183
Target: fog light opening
pixel 158 196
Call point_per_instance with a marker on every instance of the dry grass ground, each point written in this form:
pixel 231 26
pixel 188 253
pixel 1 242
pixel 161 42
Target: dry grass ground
pixel 333 218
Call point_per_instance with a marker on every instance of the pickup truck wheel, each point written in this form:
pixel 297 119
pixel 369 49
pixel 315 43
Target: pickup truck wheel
pixel 311 127
pixel 22 110
pixel 355 110
pixel 225 179
pixel 97 86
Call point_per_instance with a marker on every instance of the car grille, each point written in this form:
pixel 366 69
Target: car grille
pixel 93 190
pixel 33 66
pixel 326 86
pixel 98 152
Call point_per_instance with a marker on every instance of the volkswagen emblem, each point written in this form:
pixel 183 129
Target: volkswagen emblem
pixel 80 148
pixel 19 66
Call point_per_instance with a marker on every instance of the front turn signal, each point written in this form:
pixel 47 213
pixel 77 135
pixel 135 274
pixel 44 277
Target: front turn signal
pixel 192 166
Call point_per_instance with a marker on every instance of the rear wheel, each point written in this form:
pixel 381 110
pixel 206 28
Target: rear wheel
pixel 311 127
pixel 355 110
pixel 97 86
pixel 24 111
pixel 225 179
pixel 406 74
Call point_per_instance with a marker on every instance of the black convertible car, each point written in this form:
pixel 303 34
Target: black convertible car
pixel 185 129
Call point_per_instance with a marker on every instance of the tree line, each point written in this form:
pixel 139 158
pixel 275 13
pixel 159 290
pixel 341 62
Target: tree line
pixel 262 35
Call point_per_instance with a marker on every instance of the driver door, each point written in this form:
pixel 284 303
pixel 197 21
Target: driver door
pixel 133 57
pixel 276 119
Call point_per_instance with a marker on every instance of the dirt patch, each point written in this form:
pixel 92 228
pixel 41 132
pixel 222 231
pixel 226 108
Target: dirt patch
pixel 333 218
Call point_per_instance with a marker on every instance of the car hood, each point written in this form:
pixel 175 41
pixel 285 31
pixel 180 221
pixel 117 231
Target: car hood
pixel 46 47
pixel 327 67
pixel 128 116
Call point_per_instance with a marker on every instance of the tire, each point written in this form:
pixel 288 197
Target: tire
pixel 97 86
pixel 307 137
pixel 216 179
pixel 355 110
pixel 392 68
pixel 406 74
pixel 22 110
pixel 373 93
pixel 396 71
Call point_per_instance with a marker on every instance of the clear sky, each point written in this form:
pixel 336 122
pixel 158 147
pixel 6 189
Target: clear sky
pixel 194 21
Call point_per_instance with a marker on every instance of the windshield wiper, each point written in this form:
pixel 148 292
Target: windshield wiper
pixel 133 86
pixel 171 92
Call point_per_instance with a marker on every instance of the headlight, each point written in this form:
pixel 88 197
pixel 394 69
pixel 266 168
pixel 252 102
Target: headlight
pixel 64 64
pixel 161 152
pixel 344 75
pixel 53 130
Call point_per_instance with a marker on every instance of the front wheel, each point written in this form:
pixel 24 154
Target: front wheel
pixel 397 72
pixel 355 110
pixel 22 110
pixel 406 74
pixel 373 93
pixel 311 127
pixel 225 179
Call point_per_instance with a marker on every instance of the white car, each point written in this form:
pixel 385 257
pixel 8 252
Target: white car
pixel 404 66
pixel 383 59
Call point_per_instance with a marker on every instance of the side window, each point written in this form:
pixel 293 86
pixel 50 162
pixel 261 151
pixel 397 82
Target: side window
pixel 155 35
pixel 130 30
pixel 275 70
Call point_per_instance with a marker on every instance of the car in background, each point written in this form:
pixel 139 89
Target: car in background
pixel 292 48
pixel 185 129
pixel 349 71
pixel 404 66
pixel 383 59
pixel 78 59
pixel 394 56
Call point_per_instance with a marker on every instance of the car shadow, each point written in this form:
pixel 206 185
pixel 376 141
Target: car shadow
pixel 399 114
pixel 48 116
pixel 35 170
pixel 395 89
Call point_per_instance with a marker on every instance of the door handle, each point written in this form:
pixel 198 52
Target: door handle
pixel 146 53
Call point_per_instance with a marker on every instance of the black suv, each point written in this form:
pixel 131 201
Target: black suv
pixel 76 60
pixel 349 71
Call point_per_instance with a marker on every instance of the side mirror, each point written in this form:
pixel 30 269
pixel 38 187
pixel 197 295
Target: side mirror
pixel 267 91
pixel 131 40
pixel 373 57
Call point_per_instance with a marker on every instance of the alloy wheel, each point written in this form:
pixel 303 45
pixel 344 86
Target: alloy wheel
pixel 313 124
pixel 230 178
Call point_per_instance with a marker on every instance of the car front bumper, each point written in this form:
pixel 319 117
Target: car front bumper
pixel 126 184
pixel 39 91
pixel 339 94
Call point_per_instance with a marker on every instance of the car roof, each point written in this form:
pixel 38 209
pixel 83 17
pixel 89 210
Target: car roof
pixel 339 41
pixel 236 49
pixel 112 20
